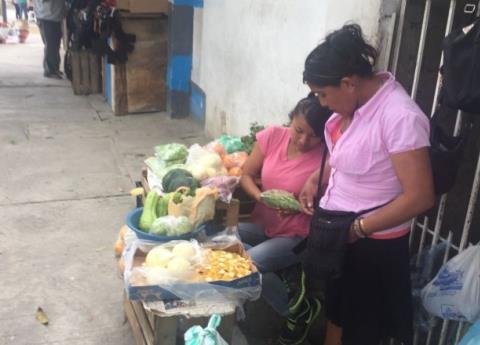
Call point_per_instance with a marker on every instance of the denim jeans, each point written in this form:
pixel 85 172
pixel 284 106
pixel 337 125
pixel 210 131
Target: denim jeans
pixel 22 11
pixel 270 255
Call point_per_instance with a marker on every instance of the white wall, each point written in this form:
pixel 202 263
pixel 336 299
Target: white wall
pixel 248 55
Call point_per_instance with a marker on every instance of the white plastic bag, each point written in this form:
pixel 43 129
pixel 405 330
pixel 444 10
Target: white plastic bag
pixel 203 163
pixel 454 293
pixel 209 335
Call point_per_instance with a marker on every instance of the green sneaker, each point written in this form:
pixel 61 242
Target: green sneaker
pixel 296 330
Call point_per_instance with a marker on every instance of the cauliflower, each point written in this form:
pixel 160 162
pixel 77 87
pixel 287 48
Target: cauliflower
pixel 184 249
pixel 158 257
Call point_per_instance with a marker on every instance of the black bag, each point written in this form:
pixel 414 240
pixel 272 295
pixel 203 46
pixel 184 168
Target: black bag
pixel 325 247
pixel 446 152
pixel 461 69
pixel 326 244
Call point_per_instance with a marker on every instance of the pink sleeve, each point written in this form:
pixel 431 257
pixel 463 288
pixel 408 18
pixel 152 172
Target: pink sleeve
pixel 265 139
pixel 406 131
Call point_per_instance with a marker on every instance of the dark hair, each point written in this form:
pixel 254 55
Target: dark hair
pixel 315 115
pixel 343 53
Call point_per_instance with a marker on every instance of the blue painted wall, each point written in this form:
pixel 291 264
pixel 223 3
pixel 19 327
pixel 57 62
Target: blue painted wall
pixel 197 103
pixel 179 73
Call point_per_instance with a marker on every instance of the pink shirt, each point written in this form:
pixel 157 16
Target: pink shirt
pixel 279 172
pixel 362 174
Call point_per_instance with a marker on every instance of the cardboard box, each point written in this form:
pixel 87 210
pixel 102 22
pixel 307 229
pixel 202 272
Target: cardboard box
pixel 150 293
pixel 143 6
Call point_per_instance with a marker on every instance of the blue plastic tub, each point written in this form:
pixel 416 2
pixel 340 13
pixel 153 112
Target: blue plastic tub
pixel 133 217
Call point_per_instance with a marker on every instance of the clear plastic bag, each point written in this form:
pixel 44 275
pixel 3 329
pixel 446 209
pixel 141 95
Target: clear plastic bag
pixel 175 153
pixel 160 168
pixel 171 226
pixel 454 293
pixel 231 143
pixel 236 159
pixel 422 266
pixel 209 335
pixel 199 209
pixel 203 163
pixel 175 287
pixel 224 184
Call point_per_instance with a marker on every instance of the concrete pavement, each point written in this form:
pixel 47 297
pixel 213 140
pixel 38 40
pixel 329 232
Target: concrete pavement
pixel 67 164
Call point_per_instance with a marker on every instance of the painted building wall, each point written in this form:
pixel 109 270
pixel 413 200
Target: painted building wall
pixel 248 55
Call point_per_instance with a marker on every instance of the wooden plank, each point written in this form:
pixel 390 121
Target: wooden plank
pixel 94 73
pixel 152 28
pixel 84 72
pixel 119 86
pixel 119 90
pixel 232 213
pixel 142 320
pixel 145 74
pixel 165 330
pixel 132 320
pixel 151 319
pixel 76 72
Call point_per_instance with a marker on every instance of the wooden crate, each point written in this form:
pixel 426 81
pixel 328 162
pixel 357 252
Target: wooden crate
pixel 85 72
pixel 139 85
pixel 151 329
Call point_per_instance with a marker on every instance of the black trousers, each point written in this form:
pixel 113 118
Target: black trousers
pixel 51 36
pixel 372 300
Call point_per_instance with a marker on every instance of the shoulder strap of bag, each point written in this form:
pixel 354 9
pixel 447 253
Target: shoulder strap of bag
pixel 319 188
pixel 322 171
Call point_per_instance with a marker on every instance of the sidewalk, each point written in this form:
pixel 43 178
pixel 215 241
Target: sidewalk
pixel 67 166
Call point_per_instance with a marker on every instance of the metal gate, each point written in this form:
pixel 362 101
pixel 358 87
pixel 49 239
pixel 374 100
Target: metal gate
pixel 428 231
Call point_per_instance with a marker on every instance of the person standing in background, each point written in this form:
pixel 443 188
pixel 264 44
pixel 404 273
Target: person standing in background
pixel 17 9
pixel 22 9
pixel 49 14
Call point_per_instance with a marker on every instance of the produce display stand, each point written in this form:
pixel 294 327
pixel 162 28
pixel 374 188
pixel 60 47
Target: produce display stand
pixel 154 323
pixel 152 327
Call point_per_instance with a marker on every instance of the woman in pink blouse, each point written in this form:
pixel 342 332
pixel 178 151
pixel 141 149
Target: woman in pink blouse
pixel 284 157
pixel 378 141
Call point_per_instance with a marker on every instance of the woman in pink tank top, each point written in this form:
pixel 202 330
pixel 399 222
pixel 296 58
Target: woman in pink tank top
pixel 284 157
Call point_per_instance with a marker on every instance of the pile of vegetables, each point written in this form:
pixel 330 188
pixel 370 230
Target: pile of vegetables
pixel 280 199
pixel 163 261
pixel 167 157
pixel 155 219
pixel 203 163
pixel 171 226
pixel 178 178
pixel 186 260
pixel 177 213
pixel 172 153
